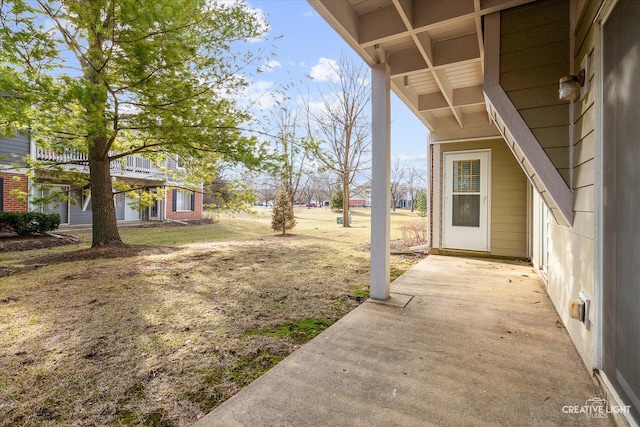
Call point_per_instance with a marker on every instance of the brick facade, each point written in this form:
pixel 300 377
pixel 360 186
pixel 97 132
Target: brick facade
pixel 172 213
pixel 10 202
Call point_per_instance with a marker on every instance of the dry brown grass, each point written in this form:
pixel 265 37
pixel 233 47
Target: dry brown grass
pixel 163 334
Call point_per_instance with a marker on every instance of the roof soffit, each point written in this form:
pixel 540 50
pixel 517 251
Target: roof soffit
pixel 434 49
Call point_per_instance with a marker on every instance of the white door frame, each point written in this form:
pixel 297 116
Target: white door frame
pixel 483 233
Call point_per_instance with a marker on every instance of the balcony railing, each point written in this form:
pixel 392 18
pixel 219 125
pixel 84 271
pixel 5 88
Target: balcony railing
pixel 130 163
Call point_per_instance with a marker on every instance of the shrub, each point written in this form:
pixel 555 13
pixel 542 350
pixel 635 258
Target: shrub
pixel 414 233
pixel 421 204
pixel 337 201
pixel 28 223
pixel 282 218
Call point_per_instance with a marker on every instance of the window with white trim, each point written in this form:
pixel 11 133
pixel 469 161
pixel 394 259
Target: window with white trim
pixel 183 200
pixel 179 162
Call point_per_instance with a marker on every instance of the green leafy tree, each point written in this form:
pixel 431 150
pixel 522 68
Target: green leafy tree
pixel 337 200
pixel 282 218
pixel 421 204
pixel 110 78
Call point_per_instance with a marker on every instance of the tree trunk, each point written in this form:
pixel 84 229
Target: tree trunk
pixel 103 210
pixel 345 201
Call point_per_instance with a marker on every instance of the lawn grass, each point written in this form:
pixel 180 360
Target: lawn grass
pixel 162 336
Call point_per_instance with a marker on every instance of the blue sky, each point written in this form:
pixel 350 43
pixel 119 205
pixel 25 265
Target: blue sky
pixel 307 43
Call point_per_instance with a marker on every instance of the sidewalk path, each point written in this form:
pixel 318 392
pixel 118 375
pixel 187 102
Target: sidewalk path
pixel 462 342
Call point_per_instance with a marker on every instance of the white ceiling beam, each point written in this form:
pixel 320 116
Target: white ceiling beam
pixel 423 42
pixel 475 119
pixel 477 6
pixel 429 120
pixel 382 25
pixel 431 101
pixel 457 49
pixel 430 14
pixel 440 76
pixel 341 16
pixel 405 10
pixel 406 62
pixel 409 96
pixel 468 96
pixel 410 62
pixel 491 6
pixel 446 123
pixel 457 134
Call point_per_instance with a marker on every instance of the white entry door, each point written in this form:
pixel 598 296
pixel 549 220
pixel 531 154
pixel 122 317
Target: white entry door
pixel 466 200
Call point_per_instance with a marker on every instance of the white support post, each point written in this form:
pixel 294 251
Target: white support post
pixel 380 180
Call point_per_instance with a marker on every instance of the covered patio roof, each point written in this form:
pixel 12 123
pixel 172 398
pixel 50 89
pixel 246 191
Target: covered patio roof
pixel 435 53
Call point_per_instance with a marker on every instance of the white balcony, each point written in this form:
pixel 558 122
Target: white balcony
pixel 124 165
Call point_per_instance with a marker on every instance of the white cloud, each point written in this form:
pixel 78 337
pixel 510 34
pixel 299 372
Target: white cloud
pixel 270 65
pixel 325 70
pixel 309 13
pixel 261 94
pixel 404 157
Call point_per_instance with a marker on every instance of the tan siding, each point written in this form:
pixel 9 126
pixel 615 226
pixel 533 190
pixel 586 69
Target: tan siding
pixel 535 97
pixel 584 125
pixel 583 174
pixel 533 17
pixel 552 137
pixel 508 197
pixel 583 199
pixel 554 32
pixel 548 116
pixel 571 252
pixel 583 150
pixel 584 33
pixel 540 77
pixel 534 54
pixel 545 55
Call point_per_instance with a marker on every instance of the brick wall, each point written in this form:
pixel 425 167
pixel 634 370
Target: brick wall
pixel 10 201
pixel 184 215
pixel 431 196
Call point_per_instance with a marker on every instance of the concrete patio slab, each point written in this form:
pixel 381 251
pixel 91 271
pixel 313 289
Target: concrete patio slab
pixel 479 344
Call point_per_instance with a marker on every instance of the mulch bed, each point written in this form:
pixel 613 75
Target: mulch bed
pixel 15 243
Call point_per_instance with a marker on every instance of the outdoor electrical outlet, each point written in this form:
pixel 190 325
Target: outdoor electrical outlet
pixel 579 309
pixel 587 303
pixel 576 309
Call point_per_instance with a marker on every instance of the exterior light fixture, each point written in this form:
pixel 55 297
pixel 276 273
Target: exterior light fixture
pixel 570 87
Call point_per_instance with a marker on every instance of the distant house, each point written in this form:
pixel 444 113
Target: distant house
pixel 533 149
pixel 178 203
pixel 405 201
pixel 360 196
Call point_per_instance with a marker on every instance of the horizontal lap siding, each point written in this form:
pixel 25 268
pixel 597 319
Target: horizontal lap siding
pixel 77 215
pixel 571 249
pixel 13 149
pixel 508 197
pixel 534 54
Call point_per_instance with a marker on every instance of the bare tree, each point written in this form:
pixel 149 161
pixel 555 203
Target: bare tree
pixel 292 149
pixel 399 172
pixel 416 183
pixel 342 125
pixel 265 186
